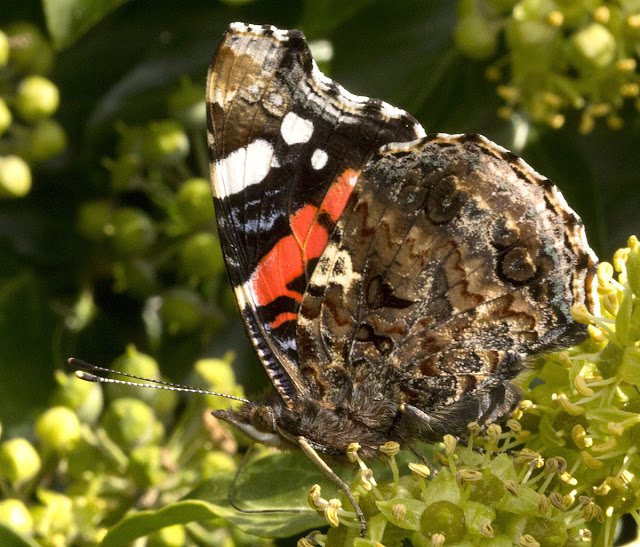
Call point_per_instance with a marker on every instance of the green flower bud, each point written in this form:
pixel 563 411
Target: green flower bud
pixel 195 201
pixel 201 256
pixel 48 140
pixel 217 462
pixel 593 47
pixel 29 52
pixel 58 430
pixel 132 231
pixel 19 461
pixel 476 38
pixel 5 115
pixel 4 49
pixel 182 311
pixel 36 98
pixel 15 177
pixel 15 515
pixel 130 423
pixel 145 466
pixel 135 276
pixel 138 364
pixel 532 9
pixel 165 142
pixel 94 219
pixel 187 104
pixel 214 375
pixel 169 536
pixel 444 517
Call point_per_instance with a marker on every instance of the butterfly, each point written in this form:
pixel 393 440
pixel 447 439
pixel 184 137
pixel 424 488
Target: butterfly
pixel 392 282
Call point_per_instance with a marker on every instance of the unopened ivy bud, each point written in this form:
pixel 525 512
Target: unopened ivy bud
pixel 36 98
pixel 58 430
pixel 30 52
pixel 135 363
pixel 15 177
pixel 133 231
pixel 195 202
pixel 15 515
pixel 94 219
pixel 5 115
pixel 48 140
pixel 169 536
pixel 182 310
pixel 130 423
pixel 165 142
pixel 19 461
pixel 135 276
pixel 593 47
pixel 201 257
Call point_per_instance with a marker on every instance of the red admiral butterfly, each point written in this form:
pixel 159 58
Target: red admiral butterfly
pixel 392 282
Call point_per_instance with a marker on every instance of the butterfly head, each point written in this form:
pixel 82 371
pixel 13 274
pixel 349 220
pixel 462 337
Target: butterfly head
pixel 259 421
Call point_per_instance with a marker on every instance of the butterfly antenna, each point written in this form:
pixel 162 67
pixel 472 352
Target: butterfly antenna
pixel 232 489
pixel 83 373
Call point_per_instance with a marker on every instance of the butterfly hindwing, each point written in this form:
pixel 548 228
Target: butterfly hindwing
pixel 287 146
pixel 444 274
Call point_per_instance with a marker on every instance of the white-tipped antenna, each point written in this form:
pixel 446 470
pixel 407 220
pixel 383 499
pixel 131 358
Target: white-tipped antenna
pixel 84 374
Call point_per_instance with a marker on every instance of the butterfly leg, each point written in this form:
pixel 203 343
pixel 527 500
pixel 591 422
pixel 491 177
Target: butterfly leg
pixel 311 453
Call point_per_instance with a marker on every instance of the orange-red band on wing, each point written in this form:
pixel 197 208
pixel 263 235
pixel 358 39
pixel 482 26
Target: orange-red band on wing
pixel 288 259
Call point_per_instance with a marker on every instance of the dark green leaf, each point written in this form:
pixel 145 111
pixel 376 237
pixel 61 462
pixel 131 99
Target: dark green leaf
pixel 11 538
pixel 67 20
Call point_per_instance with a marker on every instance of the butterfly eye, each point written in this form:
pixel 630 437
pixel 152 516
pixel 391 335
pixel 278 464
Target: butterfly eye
pixel 262 419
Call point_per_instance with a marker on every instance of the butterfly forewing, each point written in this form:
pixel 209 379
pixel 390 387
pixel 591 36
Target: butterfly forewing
pixel 287 146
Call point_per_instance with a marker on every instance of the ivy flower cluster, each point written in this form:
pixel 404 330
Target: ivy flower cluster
pixel 28 102
pixel 562 471
pixel 560 56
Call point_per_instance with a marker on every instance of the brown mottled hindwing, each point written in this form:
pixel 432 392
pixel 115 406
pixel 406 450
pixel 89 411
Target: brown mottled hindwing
pixel 452 263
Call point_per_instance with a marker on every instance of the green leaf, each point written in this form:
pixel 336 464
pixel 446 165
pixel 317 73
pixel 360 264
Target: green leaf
pixel 259 488
pixel 607 415
pixel 143 523
pixel 11 538
pixel 67 20
pixel 275 481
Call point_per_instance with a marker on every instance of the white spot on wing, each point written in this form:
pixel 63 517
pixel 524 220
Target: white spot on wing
pixel 319 159
pixel 295 129
pixel 242 168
